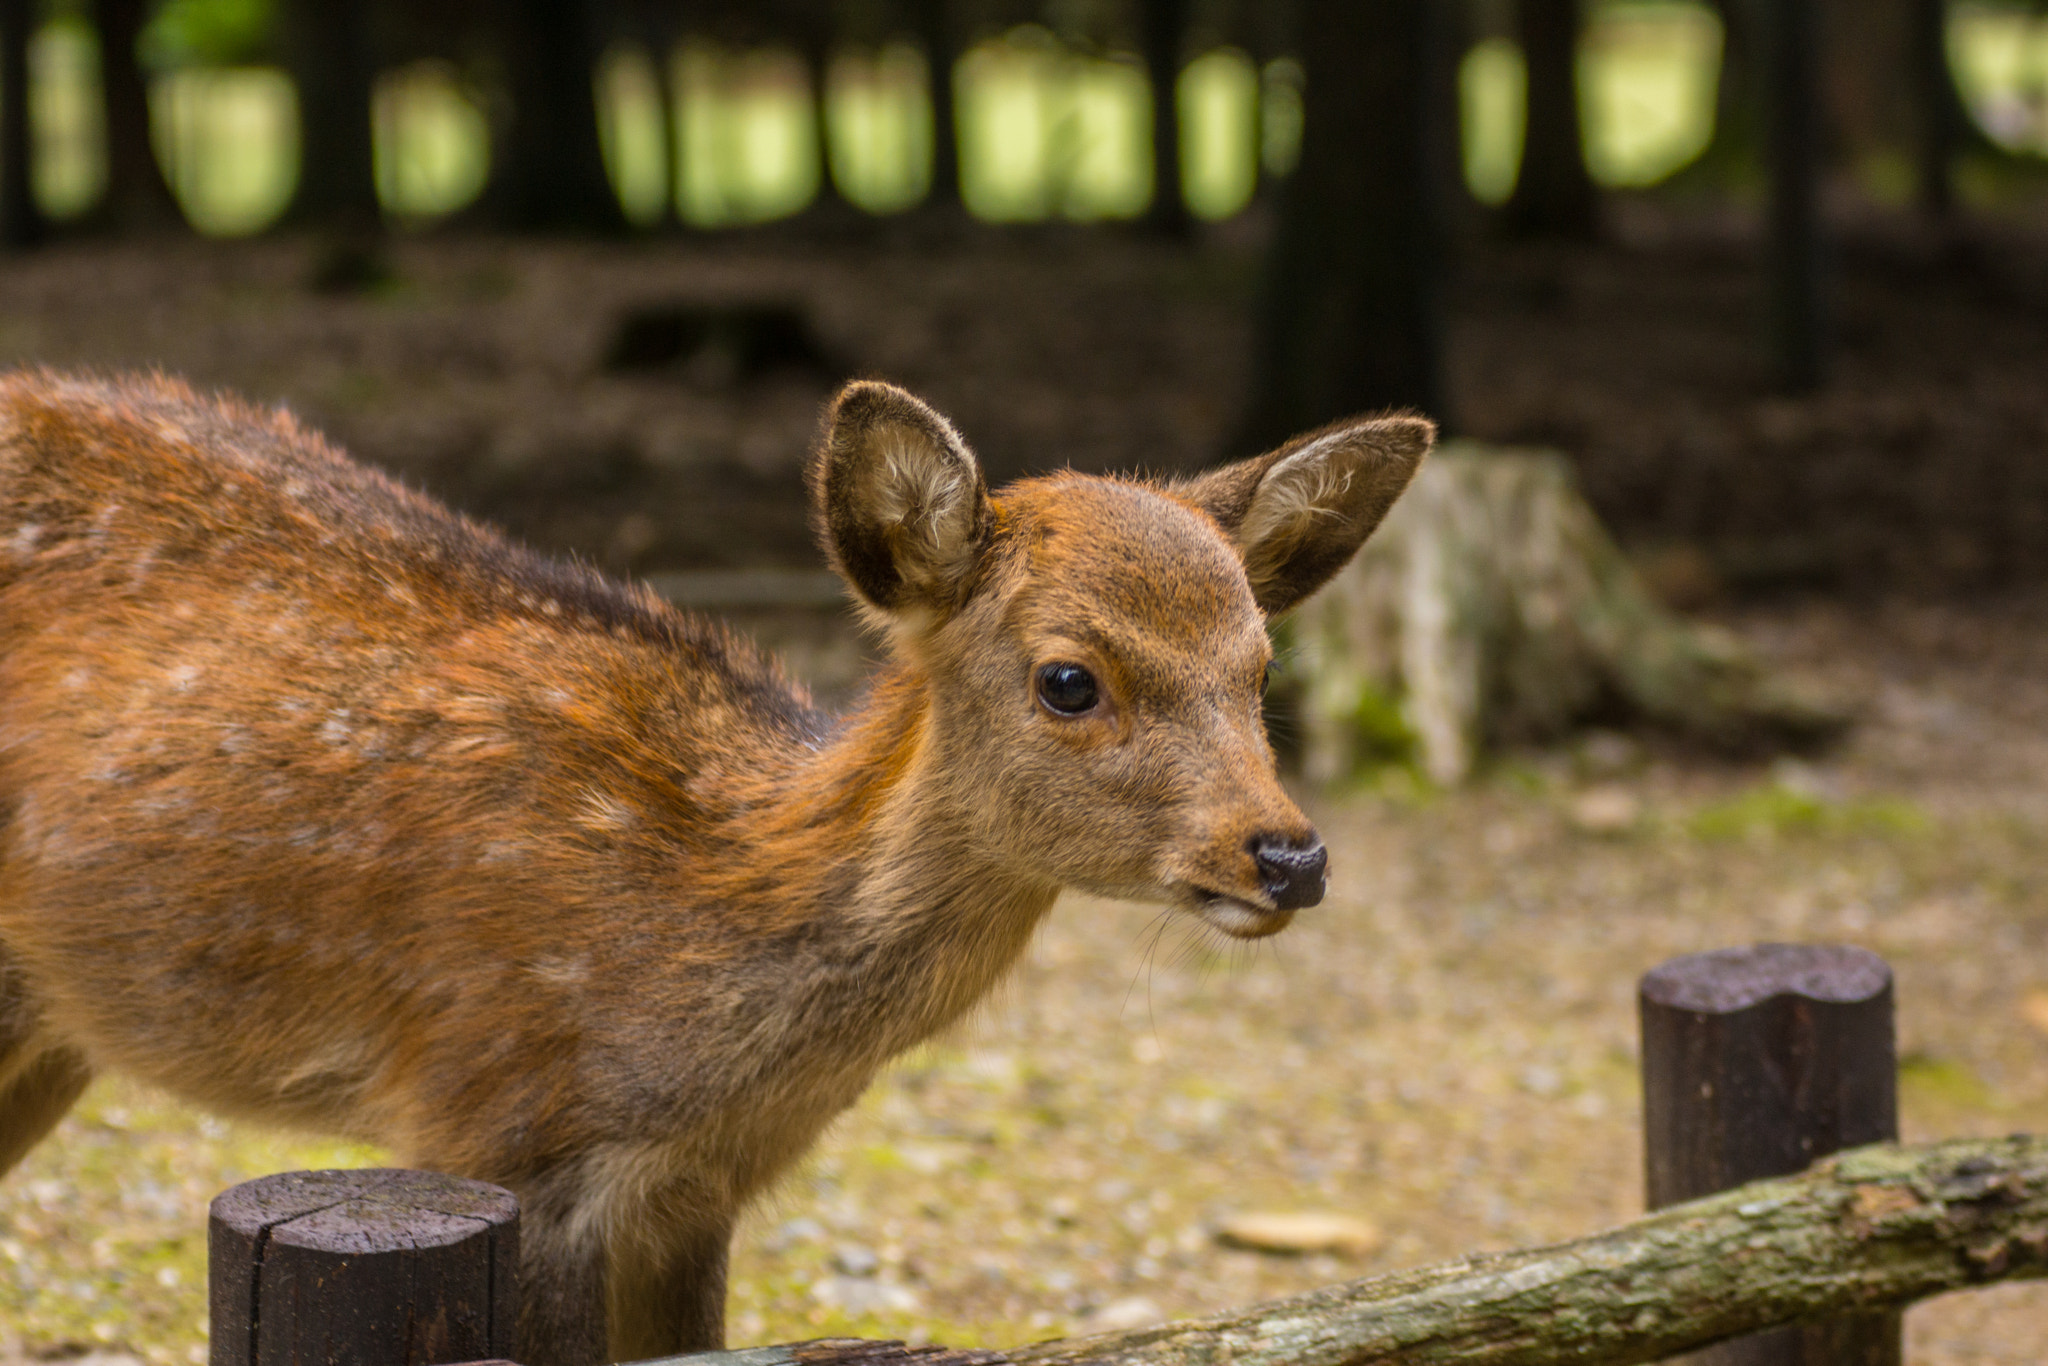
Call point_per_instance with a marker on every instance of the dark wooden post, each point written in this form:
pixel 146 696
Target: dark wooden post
pixel 362 1268
pixel 1756 1061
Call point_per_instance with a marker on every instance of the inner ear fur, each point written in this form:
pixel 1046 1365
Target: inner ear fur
pixel 1298 514
pixel 898 500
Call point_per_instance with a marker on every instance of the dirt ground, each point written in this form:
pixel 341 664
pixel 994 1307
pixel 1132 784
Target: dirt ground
pixel 1446 1048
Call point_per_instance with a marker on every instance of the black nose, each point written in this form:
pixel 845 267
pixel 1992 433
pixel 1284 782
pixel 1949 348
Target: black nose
pixel 1292 873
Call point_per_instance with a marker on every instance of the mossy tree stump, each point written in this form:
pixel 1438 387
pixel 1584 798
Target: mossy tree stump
pixel 1490 608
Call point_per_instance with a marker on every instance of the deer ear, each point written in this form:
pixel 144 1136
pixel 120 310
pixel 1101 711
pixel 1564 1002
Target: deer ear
pixel 898 500
pixel 1299 513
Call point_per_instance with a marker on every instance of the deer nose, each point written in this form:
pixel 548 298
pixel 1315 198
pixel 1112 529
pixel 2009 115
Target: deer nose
pixel 1291 872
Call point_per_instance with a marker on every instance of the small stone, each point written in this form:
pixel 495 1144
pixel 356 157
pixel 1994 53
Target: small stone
pixel 1299 1232
pixel 856 1260
pixel 1608 754
pixel 1606 810
pixel 856 1296
pixel 1120 1316
pixel 794 1232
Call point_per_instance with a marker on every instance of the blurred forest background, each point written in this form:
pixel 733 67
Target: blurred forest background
pixel 1771 275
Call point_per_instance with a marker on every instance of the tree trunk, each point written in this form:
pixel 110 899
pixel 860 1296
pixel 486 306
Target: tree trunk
pixel 1887 89
pixel 1798 327
pixel 139 197
pixel 831 207
pixel 1732 156
pixel 1491 608
pixel 1554 195
pixel 548 168
pixel 1869 1228
pixel 21 221
pixel 1351 310
pixel 332 59
pixel 657 28
pixel 933 25
pixel 1864 68
pixel 1939 114
pixel 1164 32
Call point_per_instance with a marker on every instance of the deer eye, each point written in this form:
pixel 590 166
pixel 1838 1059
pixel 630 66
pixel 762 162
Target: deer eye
pixel 1066 689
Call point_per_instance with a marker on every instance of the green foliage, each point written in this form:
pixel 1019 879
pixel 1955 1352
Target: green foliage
pixel 1383 730
pixel 1931 1081
pixel 208 33
pixel 1780 809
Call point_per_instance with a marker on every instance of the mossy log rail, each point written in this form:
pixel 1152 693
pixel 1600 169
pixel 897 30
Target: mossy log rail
pixel 1872 1227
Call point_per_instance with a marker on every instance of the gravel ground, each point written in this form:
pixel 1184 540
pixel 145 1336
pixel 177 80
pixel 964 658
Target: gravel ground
pixel 1445 1050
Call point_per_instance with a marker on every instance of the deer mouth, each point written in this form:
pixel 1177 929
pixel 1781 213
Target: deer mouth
pixel 1241 919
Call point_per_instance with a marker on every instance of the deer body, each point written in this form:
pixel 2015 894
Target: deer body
pixel 322 805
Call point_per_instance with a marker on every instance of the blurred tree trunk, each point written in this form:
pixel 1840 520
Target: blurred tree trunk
pixel 661 51
pixel 139 197
pixel 332 58
pixel 1350 315
pixel 1461 218
pixel 657 28
pixel 1888 94
pixel 1265 33
pixel 21 222
pixel 1943 128
pixel 818 43
pixel 1164 33
pixel 1733 154
pixel 1554 195
pixel 935 32
pixel 548 168
pixel 1866 101
pixel 1792 52
pixel 1941 116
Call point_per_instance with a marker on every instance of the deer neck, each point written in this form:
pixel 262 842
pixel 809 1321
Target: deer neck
pixel 917 915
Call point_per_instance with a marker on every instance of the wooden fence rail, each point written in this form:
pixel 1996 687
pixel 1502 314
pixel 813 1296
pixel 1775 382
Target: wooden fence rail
pixel 411 1269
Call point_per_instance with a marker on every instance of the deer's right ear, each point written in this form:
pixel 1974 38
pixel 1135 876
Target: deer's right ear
pixel 899 500
pixel 1300 512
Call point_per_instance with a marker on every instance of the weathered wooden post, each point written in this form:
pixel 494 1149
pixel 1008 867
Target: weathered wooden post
pixel 362 1268
pixel 1756 1061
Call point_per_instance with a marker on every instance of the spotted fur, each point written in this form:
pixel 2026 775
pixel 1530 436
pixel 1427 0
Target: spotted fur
pixel 322 805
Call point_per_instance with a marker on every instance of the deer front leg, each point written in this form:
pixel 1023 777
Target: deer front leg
pixel 36 1097
pixel 561 1284
pixel 669 1297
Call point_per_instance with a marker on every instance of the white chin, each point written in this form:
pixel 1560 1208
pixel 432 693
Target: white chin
pixel 1240 919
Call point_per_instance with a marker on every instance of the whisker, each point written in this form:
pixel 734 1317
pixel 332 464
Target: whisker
pixel 1154 927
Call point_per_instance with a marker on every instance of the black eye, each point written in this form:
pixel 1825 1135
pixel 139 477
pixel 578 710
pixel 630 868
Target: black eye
pixel 1266 678
pixel 1067 689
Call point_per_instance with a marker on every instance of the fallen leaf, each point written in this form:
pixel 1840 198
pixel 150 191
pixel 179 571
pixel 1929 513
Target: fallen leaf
pixel 1125 1314
pixel 1606 810
pixel 1299 1232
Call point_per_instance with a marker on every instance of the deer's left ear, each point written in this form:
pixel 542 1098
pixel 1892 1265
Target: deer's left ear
pixel 1299 513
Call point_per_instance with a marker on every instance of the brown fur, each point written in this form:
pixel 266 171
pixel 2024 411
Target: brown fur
pixel 322 805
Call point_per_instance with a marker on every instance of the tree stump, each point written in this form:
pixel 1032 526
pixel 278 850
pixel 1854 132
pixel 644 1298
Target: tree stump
pixel 1491 607
pixel 362 1268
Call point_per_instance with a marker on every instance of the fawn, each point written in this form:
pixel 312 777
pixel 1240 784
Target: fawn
pixel 323 805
